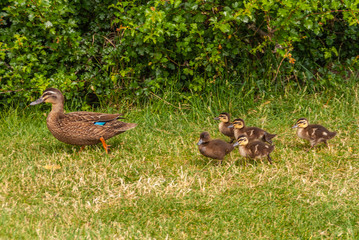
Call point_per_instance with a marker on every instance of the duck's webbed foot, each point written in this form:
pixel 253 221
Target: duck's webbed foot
pixel 105 146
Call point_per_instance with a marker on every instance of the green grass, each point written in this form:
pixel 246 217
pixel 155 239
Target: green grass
pixel 154 184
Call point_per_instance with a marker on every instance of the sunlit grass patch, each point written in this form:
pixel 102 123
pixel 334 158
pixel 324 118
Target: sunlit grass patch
pixel 155 184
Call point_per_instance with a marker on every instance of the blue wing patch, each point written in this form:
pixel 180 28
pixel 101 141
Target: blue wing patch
pixel 100 123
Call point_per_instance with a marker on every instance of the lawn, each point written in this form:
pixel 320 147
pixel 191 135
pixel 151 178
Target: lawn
pixel 154 184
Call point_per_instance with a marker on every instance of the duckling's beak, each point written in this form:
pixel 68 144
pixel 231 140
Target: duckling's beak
pixel 200 142
pixel 38 101
pixel 230 126
pixel 295 126
pixel 235 144
pixel 216 118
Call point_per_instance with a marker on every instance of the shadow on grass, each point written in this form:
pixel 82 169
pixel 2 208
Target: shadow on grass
pixel 243 162
pixel 57 146
pixel 238 162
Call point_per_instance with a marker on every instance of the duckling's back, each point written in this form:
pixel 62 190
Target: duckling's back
pixel 315 131
pixel 259 149
pixel 216 149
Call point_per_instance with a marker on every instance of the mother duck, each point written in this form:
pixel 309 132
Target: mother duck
pixel 80 128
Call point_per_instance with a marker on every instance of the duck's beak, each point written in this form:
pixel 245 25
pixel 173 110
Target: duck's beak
pixel 235 144
pixel 230 126
pixel 38 101
pixel 295 126
pixel 216 118
pixel 200 142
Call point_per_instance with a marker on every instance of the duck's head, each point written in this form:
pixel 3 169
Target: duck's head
pixel 237 123
pixel 50 95
pixel 203 138
pixel 242 140
pixel 223 117
pixel 301 123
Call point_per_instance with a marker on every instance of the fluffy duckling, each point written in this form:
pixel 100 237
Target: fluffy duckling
pixel 255 149
pixel 252 133
pixel 80 128
pixel 216 148
pixel 314 133
pixel 223 125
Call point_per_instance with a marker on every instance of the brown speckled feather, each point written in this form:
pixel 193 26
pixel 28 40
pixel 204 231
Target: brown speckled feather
pixel 91 116
pixel 74 129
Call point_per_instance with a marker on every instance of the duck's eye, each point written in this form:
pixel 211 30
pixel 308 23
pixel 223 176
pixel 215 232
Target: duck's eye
pixel 49 97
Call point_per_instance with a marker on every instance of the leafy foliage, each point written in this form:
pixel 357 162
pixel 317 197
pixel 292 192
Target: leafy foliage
pixel 94 50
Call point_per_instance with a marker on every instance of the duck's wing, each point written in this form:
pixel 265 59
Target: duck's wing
pixel 91 117
pixel 259 149
pixel 318 131
pixel 254 133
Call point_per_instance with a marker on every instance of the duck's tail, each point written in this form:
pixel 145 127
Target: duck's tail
pixel 332 134
pixel 270 136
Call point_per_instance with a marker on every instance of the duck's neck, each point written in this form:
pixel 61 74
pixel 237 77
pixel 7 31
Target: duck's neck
pixel 56 111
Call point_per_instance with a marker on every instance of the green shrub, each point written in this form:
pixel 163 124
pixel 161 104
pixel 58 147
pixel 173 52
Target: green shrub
pixel 108 49
pixel 50 43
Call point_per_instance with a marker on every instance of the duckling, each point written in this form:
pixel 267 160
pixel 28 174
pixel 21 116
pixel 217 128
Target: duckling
pixel 80 128
pixel 314 133
pixel 252 133
pixel 216 148
pixel 223 125
pixel 255 149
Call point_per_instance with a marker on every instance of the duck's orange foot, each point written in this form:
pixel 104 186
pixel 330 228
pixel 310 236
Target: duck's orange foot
pixel 105 146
